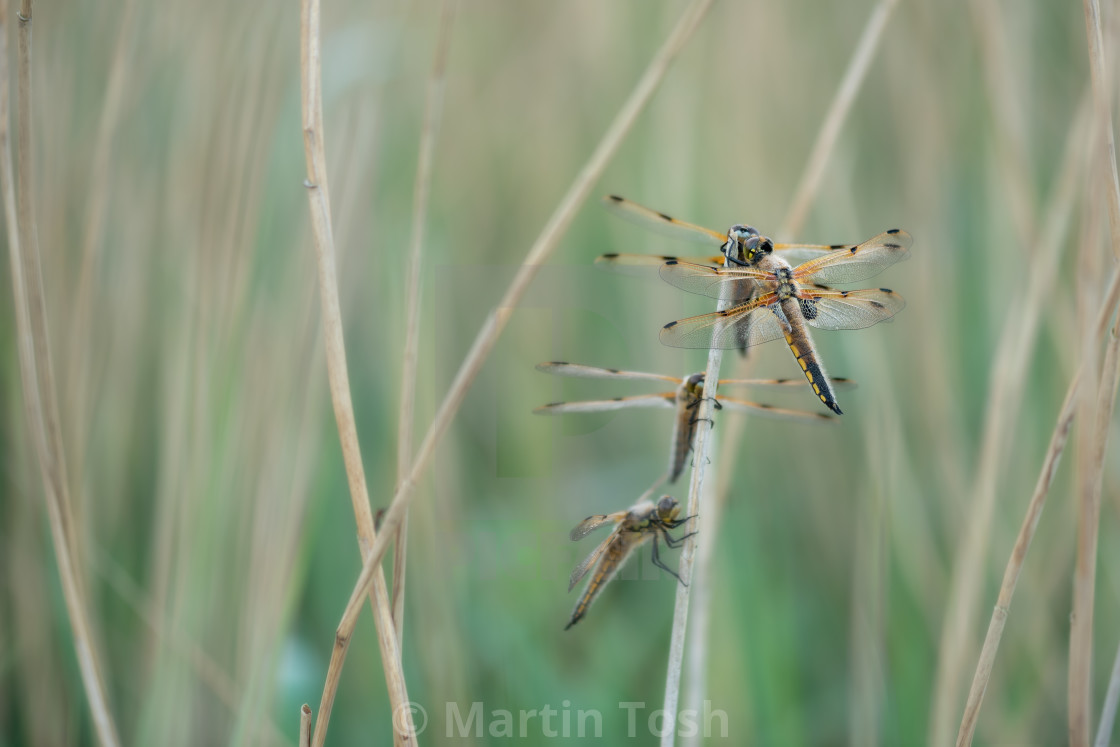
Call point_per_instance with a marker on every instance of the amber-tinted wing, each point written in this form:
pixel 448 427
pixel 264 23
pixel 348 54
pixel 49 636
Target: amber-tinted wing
pixel 661 399
pixel 589 562
pixel 739 327
pixel 637 264
pixel 769 411
pixel 591 523
pixel 858 262
pixel 797 254
pixel 836 309
pixel 724 283
pixel 785 383
pixel 562 368
pixel 661 223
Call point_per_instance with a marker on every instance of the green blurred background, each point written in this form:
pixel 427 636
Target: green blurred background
pixel 217 538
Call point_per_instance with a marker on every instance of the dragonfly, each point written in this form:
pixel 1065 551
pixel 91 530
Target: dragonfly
pixel 643 522
pixel 684 398
pixel 769 297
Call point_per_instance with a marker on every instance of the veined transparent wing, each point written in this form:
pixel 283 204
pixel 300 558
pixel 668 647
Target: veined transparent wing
pixel 661 399
pixel 751 324
pixel 797 254
pixel 858 262
pixel 589 562
pixel 836 309
pixel 724 283
pixel 563 368
pixel 784 383
pixel 662 223
pixel 641 263
pixel 769 411
pixel 591 523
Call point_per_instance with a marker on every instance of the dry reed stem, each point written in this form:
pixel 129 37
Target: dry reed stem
pixel 1088 523
pixel 429 131
pixel 806 193
pixel 538 253
pixel 837 114
pixel 305 726
pixel 1099 74
pixel 40 394
pixel 318 195
pixel 1052 237
pixel 1015 564
pixel 1006 383
pixel 700 451
pixel 1085 572
pixel 1108 709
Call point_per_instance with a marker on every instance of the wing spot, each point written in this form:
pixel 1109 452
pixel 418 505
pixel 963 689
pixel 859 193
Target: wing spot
pixel 554 404
pixel 837 246
pixel 893 231
pixel 610 256
pixel 670 325
pixel 616 198
pixel 666 217
pixel 614 370
pixel 891 246
pixel 886 290
pixel 558 363
pixel 672 262
pixel 616 399
pixel 853 249
pixel 762 406
pixel 878 305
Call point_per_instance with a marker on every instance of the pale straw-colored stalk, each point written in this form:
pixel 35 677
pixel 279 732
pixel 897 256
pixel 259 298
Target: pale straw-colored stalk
pixel 40 393
pixel 808 186
pixel 1043 269
pixel 1079 697
pixel 700 450
pixel 544 245
pixel 834 120
pixel 305 726
pixel 318 195
pixel 1108 710
pixel 429 131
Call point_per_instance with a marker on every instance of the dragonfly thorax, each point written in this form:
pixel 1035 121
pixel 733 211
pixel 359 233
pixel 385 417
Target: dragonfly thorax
pixel 787 287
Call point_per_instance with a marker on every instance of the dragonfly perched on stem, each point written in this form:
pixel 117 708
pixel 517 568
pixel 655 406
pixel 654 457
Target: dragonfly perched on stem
pixel 643 522
pixel 685 399
pixel 771 298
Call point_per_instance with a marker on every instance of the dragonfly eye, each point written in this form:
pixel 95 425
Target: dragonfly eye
pixel 668 508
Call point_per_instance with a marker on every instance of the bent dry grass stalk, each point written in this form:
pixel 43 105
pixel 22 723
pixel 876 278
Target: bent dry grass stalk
pixel 805 195
pixel 495 323
pixel 429 131
pixel 338 377
pixel 688 553
pixel 40 393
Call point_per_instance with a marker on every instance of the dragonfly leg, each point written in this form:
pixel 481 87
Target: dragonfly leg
pixel 675 542
pixel 657 562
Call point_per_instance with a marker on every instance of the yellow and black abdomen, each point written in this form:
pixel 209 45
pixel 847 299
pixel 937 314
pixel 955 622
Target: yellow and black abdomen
pixel 797 337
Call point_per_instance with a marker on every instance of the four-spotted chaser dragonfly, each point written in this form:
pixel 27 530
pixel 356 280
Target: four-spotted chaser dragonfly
pixel 685 399
pixel 642 522
pixel 770 297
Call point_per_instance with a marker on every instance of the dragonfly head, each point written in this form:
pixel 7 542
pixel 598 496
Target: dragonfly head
pixel 737 239
pixel 668 509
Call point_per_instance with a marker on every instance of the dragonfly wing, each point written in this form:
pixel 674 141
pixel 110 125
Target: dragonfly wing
pixel 784 383
pixel 740 327
pixel 662 223
pixel 723 283
pixel 589 562
pixel 858 262
pixel 833 309
pixel 591 523
pixel 563 368
pixel 796 254
pixel 663 399
pixel 769 411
